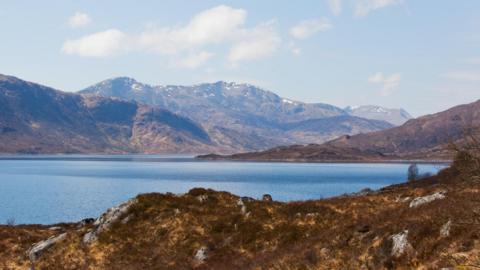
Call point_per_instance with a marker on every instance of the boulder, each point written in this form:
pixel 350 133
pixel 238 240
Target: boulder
pixel 400 243
pixel 201 254
pixel 39 248
pixel 243 207
pixel 445 230
pixel 105 221
pixel 426 199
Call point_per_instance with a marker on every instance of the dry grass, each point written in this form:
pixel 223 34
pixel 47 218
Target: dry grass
pixel 163 231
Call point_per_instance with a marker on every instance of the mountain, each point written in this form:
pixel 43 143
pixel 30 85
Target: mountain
pixel 426 137
pixel 394 116
pixel 39 119
pixel 242 116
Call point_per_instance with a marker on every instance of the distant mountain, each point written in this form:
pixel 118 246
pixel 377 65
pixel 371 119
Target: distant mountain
pixel 394 116
pixel 426 137
pixel 39 119
pixel 242 116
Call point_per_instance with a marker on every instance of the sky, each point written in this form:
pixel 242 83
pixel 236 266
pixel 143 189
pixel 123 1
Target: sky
pixel 420 55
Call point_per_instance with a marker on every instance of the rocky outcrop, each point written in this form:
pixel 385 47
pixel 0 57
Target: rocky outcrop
pixel 445 230
pixel 426 199
pixel 400 244
pixel 105 221
pixel 201 255
pixel 39 248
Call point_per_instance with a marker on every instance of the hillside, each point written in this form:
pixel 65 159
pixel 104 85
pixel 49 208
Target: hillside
pixel 242 116
pixel 425 138
pixel 427 224
pixel 39 119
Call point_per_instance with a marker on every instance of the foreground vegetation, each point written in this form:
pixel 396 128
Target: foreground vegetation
pixel 431 223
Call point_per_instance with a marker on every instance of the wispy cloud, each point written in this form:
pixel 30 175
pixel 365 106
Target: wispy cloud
pixel 79 19
pixel 463 75
pixel 218 25
pixel 364 7
pixel 335 6
pixel 308 28
pixel 389 82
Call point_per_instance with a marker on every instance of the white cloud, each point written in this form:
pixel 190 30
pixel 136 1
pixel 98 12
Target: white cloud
pixel 194 60
pixel 335 6
pixel 389 83
pixel 363 7
pixel 464 75
pixel 215 25
pixel 79 19
pixel 308 28
pixel 102 44
pixel 222 25
pixel 259 42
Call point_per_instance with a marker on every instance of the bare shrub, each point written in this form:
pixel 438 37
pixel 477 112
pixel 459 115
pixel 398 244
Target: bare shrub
pixel 10 221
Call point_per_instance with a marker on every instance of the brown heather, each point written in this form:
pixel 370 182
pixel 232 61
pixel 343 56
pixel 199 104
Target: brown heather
pixel 164 231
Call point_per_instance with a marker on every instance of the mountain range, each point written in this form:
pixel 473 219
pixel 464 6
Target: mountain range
pixel 428 137
pixel 244 117
pixel 122 115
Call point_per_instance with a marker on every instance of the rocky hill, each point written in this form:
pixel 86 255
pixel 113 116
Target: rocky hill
pixel 242 116
pixel 426 224
pixel 39 119
pixel 426 138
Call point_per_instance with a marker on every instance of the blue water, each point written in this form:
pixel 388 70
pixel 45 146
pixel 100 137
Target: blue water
pixel 52 189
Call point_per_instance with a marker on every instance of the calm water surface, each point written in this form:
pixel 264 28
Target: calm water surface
pixel 51 189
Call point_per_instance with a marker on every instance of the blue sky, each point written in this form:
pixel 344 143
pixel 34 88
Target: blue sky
pixel 422 55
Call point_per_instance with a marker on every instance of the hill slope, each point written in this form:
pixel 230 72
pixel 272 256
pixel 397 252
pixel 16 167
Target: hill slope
pixel 242 116
pixel 38 119
pixel 425 137
pixel 428 224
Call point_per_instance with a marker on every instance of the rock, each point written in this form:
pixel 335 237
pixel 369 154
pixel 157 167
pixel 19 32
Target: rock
pixel 243 207
pixel 202 198
pixel 85 221
pixel 400 243
pixel 39 248
pixel 426 199
pixel 201 254
pixel 176 211
pixel 105 221
pixel 267 198
pixel 55 228
pixel 445 230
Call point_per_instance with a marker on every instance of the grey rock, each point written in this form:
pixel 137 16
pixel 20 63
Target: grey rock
pixel 243 207
pixel 426 199
pixel 445 230
pixel 201 254
pixel 39 248
pixel 105 221
pixel 202 198
pixel 400 243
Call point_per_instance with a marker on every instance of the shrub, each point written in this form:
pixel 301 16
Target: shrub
pixel 413 173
